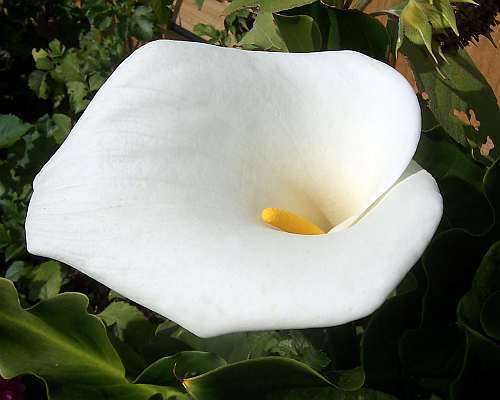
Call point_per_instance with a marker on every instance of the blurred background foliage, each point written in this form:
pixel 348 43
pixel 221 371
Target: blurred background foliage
pixel 436 337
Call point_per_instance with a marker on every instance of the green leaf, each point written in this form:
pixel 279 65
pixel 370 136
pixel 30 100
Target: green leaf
pixel 486 282
pixel 42 60
pixel 12 129
pixel 58 341
pixel 433 355
pixel 490 315
pixel 458 196
pixel 37 82
pixel 215 36
pixel 450 262
pixel 444 158
pixel 231 347
pixel 342 345
pixel 464 89
pixel 429 122
pixel 380 345
pixel 300 33
pixel 132 326
pixel 252 379
pixel 442 16
pixel 263 35
pixel 56 48
pixel 133 362
pixel 162 345
pixel 354 30
pixel 469 310
pixel 267 6
pixel 492 187
pixel 46 281
pixel 350 379
pixel 63 125
pixel 162 10
pixel 19 271
pixel 487 278
pixel 171 370
pixel 308 354
pixel 77 93
pixel 141 23
pixel 415 25
pixel 479 376
pixel 129 332
pixel 69 69
pixel 4 236
pixel 14 250
pixel 95 81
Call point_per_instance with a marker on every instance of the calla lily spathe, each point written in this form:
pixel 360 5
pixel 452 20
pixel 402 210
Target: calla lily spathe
pixel 158 190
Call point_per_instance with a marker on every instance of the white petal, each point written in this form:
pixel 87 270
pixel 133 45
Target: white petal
pixel 157 191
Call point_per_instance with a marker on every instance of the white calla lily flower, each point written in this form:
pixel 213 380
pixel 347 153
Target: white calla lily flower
pixel 159 189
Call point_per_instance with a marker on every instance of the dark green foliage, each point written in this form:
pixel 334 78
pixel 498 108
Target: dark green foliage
pixel 355 30
pixel 457 89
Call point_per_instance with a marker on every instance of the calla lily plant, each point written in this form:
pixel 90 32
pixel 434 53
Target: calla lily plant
pixel 231 190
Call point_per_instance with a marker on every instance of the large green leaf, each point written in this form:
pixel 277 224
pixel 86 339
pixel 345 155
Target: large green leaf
pixel 444 158
pixel 170 371
pixel 479 376
pixel 253 379
pixel 450 262
pixel 492 187
pixel 460 180
pixel 434 356
pixel 263 35
pixel 37 82
pixel 129 331
pixel 487 278
pixel 300 33
pixel 465 206
pixel 58 341
pixel 354 30
pixel 486 283
pixel 490 316
pixel 11 130
pixel 380 344
pixel 266 5
pixel 131 325
pixel 462 89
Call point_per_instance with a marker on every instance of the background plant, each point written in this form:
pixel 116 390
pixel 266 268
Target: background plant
pixel 436 337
